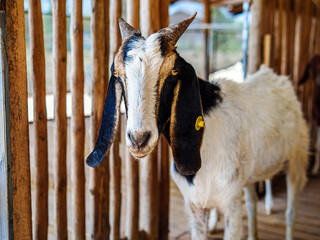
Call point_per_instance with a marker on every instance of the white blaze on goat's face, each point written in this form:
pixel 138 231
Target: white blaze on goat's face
pixel 142 64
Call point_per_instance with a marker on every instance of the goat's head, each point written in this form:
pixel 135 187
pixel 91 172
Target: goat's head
pixel 161 93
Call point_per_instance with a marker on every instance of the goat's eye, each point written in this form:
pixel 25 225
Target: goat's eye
pixel 115 73
pixel 174 72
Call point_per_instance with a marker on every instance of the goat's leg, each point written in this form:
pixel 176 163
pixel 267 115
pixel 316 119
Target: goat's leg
pixel 268 197
pixel 198 221
pixel 233 220
pixel 292 193
pixel 316 165
pixel 213 219
pixel 251 204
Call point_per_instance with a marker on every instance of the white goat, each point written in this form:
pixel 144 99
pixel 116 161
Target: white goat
pixel 251 129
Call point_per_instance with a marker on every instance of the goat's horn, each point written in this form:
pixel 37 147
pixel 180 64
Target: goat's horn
pixel 174 32
pixel 126 29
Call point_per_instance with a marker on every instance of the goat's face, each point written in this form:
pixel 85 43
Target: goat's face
pixel 146 72
pixel 143 66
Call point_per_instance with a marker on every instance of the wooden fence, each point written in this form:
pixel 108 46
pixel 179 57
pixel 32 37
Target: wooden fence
pixel 147 222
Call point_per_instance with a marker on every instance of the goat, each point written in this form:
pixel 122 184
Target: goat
pixel 224 136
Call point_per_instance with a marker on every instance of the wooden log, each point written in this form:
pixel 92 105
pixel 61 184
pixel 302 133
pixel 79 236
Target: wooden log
pixel 276 50
pixel 163 157
pixel 115 161
pixel 77 121
pixel 116 8
pixel 317 43
pixel 40 119
pixel 105 168
pixel 206 50
pixel 164 13
pixel 149 17
pixel 267 50
pixel 254 51
pixel 164 188
pixel 98 93
pixel 132 165
pixel 6 225
pixel 19 128
pixel 148 166
pixel 149 196
pixel 60 134
pixel 285 40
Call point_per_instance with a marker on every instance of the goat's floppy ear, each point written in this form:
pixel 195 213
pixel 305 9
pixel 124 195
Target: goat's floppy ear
pixel 109 123
pixel 126 29
pixel 174 32
pixel 185 132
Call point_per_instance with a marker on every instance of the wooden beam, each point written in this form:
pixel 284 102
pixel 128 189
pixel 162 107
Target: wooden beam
pixel 285 17
pixel 40 119
pixel 19 129
pixel 77 121
pixel 98 94
pixel 164 188
pixel 6 225
pixel 149 17
pixel 105 168
pixel 60 134
pixel 132 165
pixel 206 49
pixel 254 51
pixel 163 156
pixel 164 13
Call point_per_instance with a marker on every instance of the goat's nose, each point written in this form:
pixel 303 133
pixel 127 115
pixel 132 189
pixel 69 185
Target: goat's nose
pixel 139 138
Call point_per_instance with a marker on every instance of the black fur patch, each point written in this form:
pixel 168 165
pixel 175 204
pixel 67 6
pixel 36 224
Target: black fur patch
pixel 128 45
pixel 163 45
pixel 188 178
pixel 210 95
pixel 107 127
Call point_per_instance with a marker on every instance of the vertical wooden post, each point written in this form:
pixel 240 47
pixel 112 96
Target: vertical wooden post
pixel 302 33
pixel 276 63
pixel 6 225
pixel 254 52
pixel 60 133
pixel 105 225
pixel 98 97
pixel 19 129
pixel 285 40
pixel 206 50
pixel 77 121
pixel 148 166
pixel 149 17
pixel 163 161
pixel 132 165
pixel 115 161
pixel 40 119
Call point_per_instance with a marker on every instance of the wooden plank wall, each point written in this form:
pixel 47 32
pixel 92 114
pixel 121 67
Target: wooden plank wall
pixel 293 27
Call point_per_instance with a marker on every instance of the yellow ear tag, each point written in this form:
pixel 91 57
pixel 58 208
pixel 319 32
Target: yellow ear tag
pixel 199 123
pixel 116 74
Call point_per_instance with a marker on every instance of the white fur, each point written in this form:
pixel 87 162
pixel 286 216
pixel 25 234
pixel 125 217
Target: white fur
pixel 142 74
pixel 248 137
